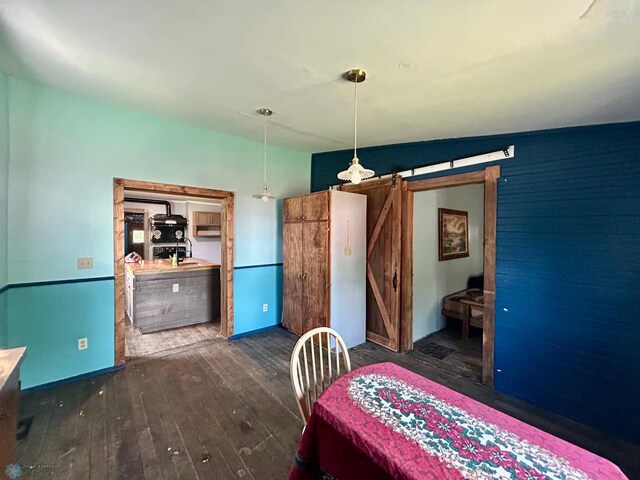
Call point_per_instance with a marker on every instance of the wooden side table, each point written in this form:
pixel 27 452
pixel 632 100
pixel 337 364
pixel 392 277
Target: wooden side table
pixel 468 318
pixel 9 394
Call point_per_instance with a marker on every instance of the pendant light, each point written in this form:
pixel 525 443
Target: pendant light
pixel 355 173
pixel 264 195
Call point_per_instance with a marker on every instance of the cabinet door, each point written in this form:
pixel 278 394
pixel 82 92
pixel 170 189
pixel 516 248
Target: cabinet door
pixel 292 311
pixel 202 218
pixel 315 274
pixel 292 209
pixel 315 206
pixel 215 219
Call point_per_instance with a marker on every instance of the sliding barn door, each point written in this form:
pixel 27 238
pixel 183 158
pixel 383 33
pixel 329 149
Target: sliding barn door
pixel 384 212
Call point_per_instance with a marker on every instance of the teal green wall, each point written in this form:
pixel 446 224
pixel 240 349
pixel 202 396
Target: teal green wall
pixel 4 189
pixel 65 151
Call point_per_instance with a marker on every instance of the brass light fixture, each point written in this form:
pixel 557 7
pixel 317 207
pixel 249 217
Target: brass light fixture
pixel 356 172
pixel 264 195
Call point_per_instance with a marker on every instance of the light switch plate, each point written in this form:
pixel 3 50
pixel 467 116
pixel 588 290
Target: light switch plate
pixel 85 262
pixel 176 287
pixel 265 307
pixel 83 344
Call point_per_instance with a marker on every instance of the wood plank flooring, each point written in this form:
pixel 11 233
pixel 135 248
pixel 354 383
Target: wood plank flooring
pixel 142 345
pixel 220 410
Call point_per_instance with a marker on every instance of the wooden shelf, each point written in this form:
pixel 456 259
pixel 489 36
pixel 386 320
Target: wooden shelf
pixel 202 232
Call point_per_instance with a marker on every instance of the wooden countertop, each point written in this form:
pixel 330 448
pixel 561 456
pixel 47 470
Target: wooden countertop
pixel 9 360
pixel 164 265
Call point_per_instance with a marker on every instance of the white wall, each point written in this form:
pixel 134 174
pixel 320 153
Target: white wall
pixel 203 248
pixel 433 279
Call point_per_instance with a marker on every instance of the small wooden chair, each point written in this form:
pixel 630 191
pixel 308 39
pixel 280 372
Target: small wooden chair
pixel 314 365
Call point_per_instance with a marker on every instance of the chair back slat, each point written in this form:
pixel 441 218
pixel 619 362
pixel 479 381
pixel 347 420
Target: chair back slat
pixel 314 376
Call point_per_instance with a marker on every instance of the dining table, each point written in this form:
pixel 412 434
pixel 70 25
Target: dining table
pixel 382 421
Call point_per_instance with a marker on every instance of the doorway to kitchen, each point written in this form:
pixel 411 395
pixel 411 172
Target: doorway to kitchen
pixel 173 264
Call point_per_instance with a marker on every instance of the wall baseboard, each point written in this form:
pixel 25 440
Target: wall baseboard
pixel 77 378
pixel 254 332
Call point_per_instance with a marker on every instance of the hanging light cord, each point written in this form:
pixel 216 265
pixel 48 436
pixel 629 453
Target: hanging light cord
pixel 355 120
pixel 264 155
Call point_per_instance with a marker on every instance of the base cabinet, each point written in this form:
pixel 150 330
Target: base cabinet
pixel 164 300
pixel 324 261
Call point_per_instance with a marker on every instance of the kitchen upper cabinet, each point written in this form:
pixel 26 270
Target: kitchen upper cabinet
pixel 205 224
pixel 324 251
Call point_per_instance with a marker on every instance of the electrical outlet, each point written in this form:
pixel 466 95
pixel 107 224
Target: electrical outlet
pixel 347 251
pixel 265 307
pixel 83 344
pixel 176 287
pixel 85 262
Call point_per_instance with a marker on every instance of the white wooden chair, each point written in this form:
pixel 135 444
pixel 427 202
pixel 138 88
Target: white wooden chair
pixel 314 366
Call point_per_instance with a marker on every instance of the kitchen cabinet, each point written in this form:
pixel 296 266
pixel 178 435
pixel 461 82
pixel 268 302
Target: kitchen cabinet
pixel 324 252
pixel 205 224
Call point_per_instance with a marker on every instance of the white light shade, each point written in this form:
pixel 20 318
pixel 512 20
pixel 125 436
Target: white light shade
pixel 265 194
pixel 355 173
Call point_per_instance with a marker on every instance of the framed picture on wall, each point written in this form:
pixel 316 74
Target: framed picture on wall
pixel 453 234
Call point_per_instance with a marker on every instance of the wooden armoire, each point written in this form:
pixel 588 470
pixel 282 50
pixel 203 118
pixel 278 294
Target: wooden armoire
pixel 324 262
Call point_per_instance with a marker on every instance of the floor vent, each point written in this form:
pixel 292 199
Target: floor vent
pixel 436 351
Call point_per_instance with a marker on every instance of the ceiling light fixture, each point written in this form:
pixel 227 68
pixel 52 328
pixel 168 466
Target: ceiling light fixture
pixel 264 195
pixel 355 173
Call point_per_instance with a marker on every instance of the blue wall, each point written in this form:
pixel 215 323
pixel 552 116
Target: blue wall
pixel 56 316
pixel 250 295
pixel 64 152
pixel 568 264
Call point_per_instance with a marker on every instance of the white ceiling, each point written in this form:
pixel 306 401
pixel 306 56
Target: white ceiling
pixel 437 69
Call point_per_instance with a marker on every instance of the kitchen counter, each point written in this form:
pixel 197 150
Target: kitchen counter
pixel 164 265
pixel 159 296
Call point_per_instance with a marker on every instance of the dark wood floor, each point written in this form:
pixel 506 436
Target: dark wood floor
pixel 219 410
pixel 465 357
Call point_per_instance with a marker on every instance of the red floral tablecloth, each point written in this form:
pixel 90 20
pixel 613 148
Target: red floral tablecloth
pixel 384 422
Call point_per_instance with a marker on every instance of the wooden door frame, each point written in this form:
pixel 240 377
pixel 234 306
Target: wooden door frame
pixel 489 178
pixel 226 251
